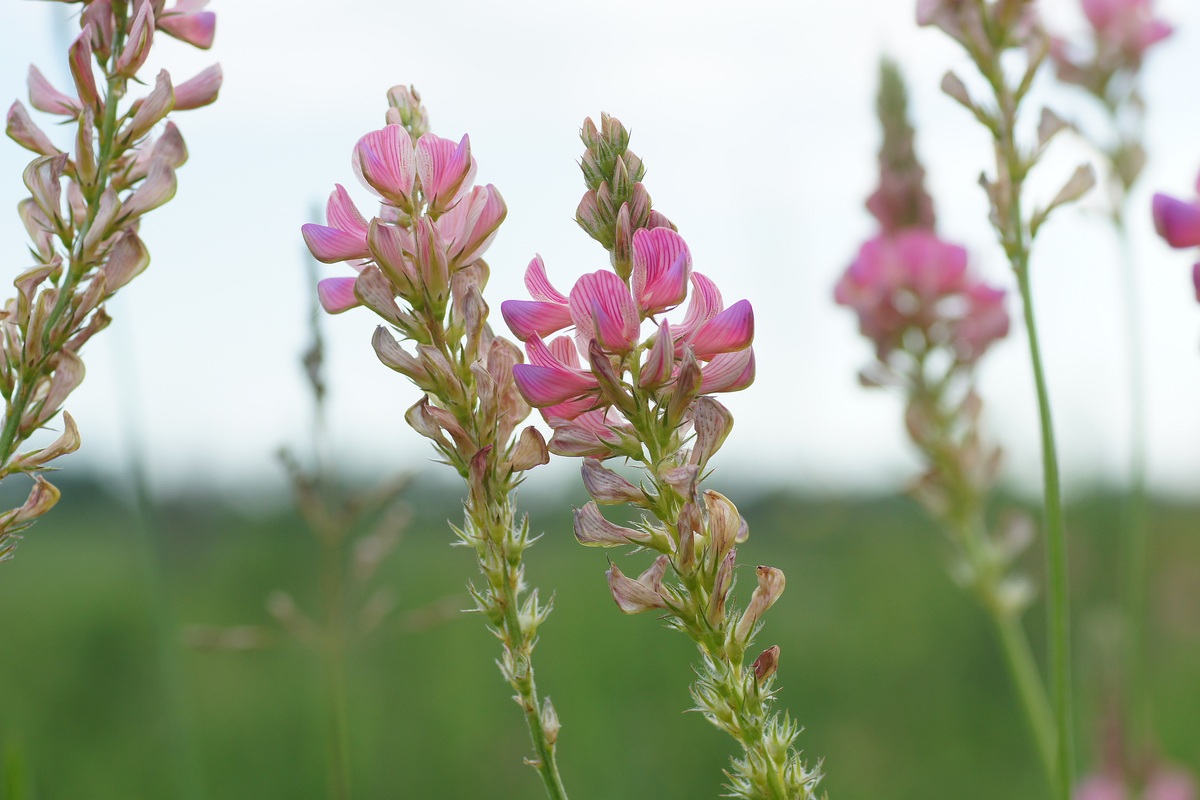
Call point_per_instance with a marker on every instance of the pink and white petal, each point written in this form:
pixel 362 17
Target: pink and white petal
pixel 443 167
pixel 199 90
pixel 195 29
pixel 547 386
pixel 565 351
pixel 331 245
pixel 337 295
pixel 44 97
pixel 728 372
pixel 602 306
pixel 1176 221
pixel 655 252
pixel 385 161
pixel 485 225
pixel 670 288
pixel 570 409
pixel 539 285
pixel 727 332
pixel 705 304
pixel 660 361
pixel 341 213
pixel 526 318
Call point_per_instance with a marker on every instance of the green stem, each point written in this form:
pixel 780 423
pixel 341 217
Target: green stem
pixel 1134 538
pixel 1056 552
pixel 1028 683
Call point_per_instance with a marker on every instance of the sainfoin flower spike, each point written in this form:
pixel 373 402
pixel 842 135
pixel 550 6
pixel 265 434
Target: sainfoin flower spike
pixel 625 365
pixel 86 200
pixel 419 264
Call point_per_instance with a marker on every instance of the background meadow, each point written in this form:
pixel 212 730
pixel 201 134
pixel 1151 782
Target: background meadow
pixel 758 131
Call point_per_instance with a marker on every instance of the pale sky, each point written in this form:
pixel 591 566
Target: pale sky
pixel 758 132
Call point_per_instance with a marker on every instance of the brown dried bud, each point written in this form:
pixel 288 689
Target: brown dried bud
pixel 770 586
pixel 766 664
pixel 644 594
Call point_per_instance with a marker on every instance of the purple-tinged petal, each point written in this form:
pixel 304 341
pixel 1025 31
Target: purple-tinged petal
pixel 331 245
pixel 22 130
pixel 728 372
pixel 138 40
pixel 545 386
pixel 483 227
pixel 341 213
pixel 385 161
pixel 593 530
pixel 200 90
pixel 607 487
pixel 731 330
pixel 195 29
pixel 634 597
pixel 602 308
pixel 660 361
pixel 705 304
pixel 564 350
pixel 1176 221
pixel 662 265
pixel 539 285
pixel 80 58
pixel 446 169
pixel 44 97
pixel 337 295
pixel 527 318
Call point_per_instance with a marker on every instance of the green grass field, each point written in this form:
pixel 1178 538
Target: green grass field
pixel 890 667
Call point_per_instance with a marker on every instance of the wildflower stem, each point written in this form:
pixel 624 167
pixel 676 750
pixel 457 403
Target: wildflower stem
pixel 1028 682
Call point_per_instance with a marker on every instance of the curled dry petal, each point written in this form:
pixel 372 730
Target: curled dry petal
pixel 42 497
pixel 67 442
pixel 158 188
pixel 394 356
pixel 643 594
pixel 606 486
pixel 42 177
pixel 152 108
pixel 530 451
pixel 200 90
pixel 377 293
pixel 68 374
pixel 723 521
pixel 421 419
pixel 766 664
pixel 770 586
pixel 593 530
pixel 712 423
pixel 127 259
pixel 21 128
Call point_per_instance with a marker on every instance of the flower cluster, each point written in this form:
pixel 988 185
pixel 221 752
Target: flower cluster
pixel 83 215
pixel 1178 223
pixel 1121 33
pixel 627 380
pixel 420 268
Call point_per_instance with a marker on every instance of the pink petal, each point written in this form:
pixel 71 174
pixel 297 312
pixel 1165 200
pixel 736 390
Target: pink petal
pixel 570 409
pixel 386 163
pixel 728 372
pixel 660 361
pixel 546 386
pixel 330 245
pixel 603 309
pixel 564 350
pixel 539 285
pixel 195 29
pixel 1196 280
pixel 484 226
pixel 445 169
pixel 341 213
pixel 44 97
pixel 1176 221
pixel 200 90
pixel 527 318
pixel 80 57
pixel 731 330
pixel 705 304
pixel 662 264
pixel 337 294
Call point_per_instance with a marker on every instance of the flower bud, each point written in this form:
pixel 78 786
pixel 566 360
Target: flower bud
pixel 606 486
pixel 770 586
pixel 690 523
pixel 687 384
pixel 611 387
pixel 622 248
pixel 550 723
pixel 660 360
pixel 720 590
pixel 98 16
pixel 593 530
pixel 712 422
pixel 588 217
pixel 433 269
pixel 766 664
pixel 138 39
pixel 80 58
pixel 724 522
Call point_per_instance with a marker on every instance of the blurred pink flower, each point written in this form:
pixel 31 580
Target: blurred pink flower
pixel 1127 26
pixel 1100 787
pixel 1177 221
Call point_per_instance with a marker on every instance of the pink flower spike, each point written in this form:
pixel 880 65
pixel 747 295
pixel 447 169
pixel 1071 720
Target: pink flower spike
pixel 446 169
pixel 527 318
pixel 337 295
pixel 195 28
pixel 386 163
pixel 539 285
pixel 44 97
pixel 727 332
pixel 200 90
pixel 728 372
pixel 331 245
pixel 603 309
pixel 662 265
pixel 1176 221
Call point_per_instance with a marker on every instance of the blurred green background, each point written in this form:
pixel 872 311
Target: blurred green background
pixel 891 668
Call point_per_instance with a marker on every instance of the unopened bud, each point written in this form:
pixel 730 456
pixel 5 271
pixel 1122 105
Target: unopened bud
pixel 550 724
pixel 724 521
pixel 137 42
pixel 720 590
pixel 687 384
pixel 712 422
pixel 770 586
pixel 622 249
pixel 610 383
pixel 766 664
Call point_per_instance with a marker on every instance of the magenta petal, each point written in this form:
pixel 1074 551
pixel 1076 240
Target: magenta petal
pixel 731 330
pixel 603 308
pixel 341 213
pixel 386 162
pixel 330 245
pixel 546 386
pixel 526 318
pixel 705 304
pixel 564 350
pixel 660 361
pixel 1196 280
pixel 444 167
pixel 539 285
pixel 728 372
pixel 1176 221
pixel 661 266
pixel 337 294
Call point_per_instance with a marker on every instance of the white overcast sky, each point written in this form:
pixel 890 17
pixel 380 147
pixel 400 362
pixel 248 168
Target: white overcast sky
pixel 756 123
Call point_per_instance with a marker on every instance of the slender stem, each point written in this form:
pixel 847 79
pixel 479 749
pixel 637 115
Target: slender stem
pixel 1028 682
pixel 1056 552
pixel 1134 531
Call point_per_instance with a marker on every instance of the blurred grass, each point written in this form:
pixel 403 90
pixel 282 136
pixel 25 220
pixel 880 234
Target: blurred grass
pixel 890 667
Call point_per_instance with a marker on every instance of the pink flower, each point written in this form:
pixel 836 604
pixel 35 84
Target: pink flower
pixel 469 228
pixel 1100 787
pixel 1128 26
pixel 387 165
pixel 662 264
pixel 547 313
pixel 446 170
pixel 344 239
pixel 1177 221
pixel 548 380
pixel 603 309
pixel 186 22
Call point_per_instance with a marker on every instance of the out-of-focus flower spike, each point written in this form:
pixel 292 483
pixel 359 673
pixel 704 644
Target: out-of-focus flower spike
pixel 593 530
pixel 80 58
pixel 386 163
pixel 186 22
pixel 21 128
pixel 44 97
pixel 662 265
pixel 1176 221
pixel 607 487
pixel 727 332
pixel 199 90
pixel 138 40
pixel 660 360
pixel 337 295
pixel 603 308
pixel 643 594
pixel 728 372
